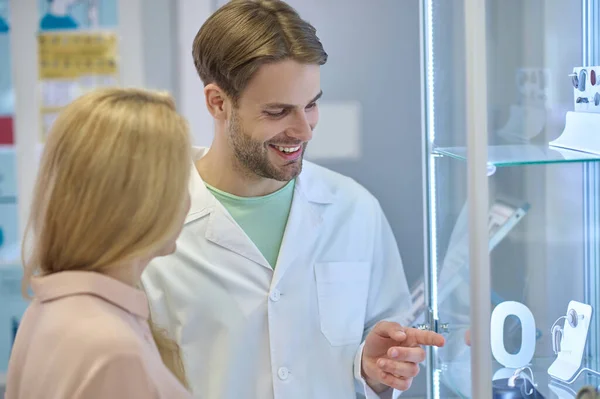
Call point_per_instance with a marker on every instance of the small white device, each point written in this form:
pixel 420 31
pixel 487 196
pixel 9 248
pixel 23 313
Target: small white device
pixel 569 342
pixel 582 124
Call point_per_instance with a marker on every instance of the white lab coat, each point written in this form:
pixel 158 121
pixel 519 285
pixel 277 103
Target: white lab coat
pixel 248 331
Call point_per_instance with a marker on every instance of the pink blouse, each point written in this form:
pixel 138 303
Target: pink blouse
pixel 86 335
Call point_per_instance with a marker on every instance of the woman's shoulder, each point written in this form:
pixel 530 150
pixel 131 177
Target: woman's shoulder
pixel 88 325
pixel 107 327
pixel 86 337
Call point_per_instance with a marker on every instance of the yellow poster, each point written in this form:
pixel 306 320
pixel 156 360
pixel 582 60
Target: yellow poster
pixel 71 64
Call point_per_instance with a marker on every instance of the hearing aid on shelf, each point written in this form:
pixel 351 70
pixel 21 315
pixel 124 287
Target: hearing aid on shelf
pixel 557 331
pixel 574 79
pixel 579 81
pixel 582 79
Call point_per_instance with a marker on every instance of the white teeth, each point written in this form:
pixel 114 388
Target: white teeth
pixel 288 149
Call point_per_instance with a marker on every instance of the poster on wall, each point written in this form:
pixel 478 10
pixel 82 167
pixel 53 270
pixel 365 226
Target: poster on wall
pixel 3 20
pixel 77 14
pixel 77 52
pixel 70 64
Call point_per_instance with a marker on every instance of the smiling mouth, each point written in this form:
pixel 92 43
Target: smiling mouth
pixel 288 153
pixel 287 150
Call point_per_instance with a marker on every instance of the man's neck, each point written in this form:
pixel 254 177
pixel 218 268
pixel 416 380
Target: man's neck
pixel 219 172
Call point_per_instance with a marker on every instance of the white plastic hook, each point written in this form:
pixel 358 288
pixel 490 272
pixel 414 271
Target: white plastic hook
pixel 513 379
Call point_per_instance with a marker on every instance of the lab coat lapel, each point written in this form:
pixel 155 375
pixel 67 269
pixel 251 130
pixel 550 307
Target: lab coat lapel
pixel 311 197
pixel 221 228
pixel 224 231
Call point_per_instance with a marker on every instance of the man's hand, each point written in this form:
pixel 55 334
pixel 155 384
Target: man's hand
pixel 392 354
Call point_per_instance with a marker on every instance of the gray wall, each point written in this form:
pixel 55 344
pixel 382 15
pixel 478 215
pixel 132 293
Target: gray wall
pixel 160 55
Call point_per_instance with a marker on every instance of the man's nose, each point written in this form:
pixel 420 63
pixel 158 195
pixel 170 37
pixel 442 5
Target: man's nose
pixel 301 128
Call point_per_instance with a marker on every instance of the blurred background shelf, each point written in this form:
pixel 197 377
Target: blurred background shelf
pixel 515 155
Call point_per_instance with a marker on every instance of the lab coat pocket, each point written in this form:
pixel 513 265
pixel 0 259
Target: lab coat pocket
pixel 342 294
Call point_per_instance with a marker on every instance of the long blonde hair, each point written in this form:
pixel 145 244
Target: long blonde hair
pixel 112 180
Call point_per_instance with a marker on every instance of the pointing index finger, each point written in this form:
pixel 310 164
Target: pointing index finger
pixel 423 337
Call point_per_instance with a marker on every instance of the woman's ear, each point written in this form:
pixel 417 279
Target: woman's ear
pixel 216 101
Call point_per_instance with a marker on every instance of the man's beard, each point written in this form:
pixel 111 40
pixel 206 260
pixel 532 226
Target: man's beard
pixel 253 156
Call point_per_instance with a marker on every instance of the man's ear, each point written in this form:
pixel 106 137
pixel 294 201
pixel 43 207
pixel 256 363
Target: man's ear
pixel 217 102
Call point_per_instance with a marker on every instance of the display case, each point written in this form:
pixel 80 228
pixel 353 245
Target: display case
pixel 511 101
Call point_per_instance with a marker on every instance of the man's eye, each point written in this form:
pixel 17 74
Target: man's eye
pixel 311 106
pixel 276 114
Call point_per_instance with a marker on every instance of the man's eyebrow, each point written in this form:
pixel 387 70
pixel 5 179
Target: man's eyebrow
pixel 316 97
pixel 290 106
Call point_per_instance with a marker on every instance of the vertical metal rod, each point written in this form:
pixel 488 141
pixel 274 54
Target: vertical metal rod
pixel 477 128
pixel 591 57
pixel 425 162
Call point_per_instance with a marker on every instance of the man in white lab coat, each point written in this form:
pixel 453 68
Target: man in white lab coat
pixel 287 282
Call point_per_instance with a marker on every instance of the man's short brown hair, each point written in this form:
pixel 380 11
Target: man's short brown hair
pixel 245 34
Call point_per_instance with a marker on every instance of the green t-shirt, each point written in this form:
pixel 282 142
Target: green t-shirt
pixel 263 219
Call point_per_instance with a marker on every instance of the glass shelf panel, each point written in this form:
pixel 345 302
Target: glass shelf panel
pixel 455 376
pixel 514 155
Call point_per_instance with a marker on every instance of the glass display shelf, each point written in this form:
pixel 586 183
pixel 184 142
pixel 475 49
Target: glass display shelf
pixel 454 375
pixel 520 154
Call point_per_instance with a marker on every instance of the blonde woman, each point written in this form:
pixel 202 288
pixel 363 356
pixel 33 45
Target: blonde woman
pixel 111 195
